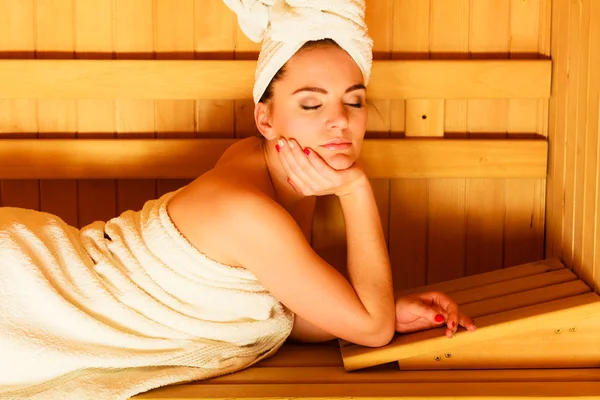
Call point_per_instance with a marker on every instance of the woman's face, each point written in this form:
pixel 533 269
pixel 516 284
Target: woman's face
pixel 321 102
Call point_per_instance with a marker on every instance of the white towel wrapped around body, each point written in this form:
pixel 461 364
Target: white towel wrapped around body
pixel 122 307
pixel 284 26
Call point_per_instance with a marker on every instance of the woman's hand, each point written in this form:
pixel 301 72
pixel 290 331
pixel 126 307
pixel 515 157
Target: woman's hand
pixel 420 311
pixel 310 175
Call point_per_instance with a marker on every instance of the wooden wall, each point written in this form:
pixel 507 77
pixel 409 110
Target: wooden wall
pixel 437 229
pixel 573 221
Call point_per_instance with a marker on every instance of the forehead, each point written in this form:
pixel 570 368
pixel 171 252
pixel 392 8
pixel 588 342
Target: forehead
pixel 323 64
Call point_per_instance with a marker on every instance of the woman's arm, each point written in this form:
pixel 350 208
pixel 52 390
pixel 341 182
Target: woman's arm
pixel 366 246
pixel 368 264
pixel 266 240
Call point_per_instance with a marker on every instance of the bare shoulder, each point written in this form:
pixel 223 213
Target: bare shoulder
pixel 212 211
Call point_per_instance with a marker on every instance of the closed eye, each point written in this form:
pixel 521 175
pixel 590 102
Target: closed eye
pixel 310 108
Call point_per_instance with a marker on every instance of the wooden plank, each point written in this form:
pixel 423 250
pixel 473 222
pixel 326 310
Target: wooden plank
pixel 302 355
pixel 573 136
pixel 18 118
pixel 408 197
pixel 525 298
pixel 525 199
pixel 595 131
pixel 188 158
pixel 518 285
pixel 335 375
pixel 491 277
pixel 489 328
pixel 485 203
pixel 233 79
pixel 557 132
pixel 446 197
pixel 134 39
pixel 174 40
pixel 591 210
pixel 57 118
pixel 96 199
pixel 542 349
pixel 372 391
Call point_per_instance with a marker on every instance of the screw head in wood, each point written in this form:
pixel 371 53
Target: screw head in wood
pixel 437 358
pixel 448 355
pixel 558 330
pixel 573 329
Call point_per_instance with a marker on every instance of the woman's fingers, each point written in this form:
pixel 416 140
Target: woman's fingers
pixel 293 179
pixel 300 163
pixel 294 171
pixel 454 317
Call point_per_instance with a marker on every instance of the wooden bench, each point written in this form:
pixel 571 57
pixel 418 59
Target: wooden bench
pixel 537 337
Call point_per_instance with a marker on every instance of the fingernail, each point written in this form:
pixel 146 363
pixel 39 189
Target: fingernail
pixel 277 147
pixel 306 151
pixel 439 318
pixel 281 143
pixel 291 144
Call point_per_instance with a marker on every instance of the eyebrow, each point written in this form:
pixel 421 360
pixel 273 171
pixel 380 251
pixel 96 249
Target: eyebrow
pixel 321 90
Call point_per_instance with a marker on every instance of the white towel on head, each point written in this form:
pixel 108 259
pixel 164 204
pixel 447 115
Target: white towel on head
pixel 285 25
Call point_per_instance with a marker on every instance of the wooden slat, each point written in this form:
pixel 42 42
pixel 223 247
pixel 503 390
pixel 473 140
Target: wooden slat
pixel 525 298
pixel 233 79
pixel 188 158
pixel 390 374
pixel 542 349
pixel 371 391
pixel 491 277
pixel 489 328
pixel 513 286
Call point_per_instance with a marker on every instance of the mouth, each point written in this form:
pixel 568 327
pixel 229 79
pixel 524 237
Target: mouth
pixel 337 144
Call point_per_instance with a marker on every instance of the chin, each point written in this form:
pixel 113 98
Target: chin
pixel 340 161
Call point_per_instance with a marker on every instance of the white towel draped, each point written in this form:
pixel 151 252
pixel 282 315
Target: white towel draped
pixel 83 316
pixel 285 25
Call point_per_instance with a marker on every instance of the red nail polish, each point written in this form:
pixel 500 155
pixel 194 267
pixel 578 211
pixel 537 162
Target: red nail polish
pixel 306 151
pixel 452 325
pixel 277 147
pixel 439 318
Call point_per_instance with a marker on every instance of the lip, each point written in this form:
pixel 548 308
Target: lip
pixel 338 144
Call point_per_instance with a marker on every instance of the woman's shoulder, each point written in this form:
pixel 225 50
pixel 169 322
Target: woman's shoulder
pixel 230 197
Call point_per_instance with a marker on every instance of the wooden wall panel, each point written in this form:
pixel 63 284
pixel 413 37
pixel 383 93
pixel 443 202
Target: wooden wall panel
pixel 409 197
pixel 573 214
pixel 18 118
pixel 436 229
pixel 94 28
pixel 55 38
pixel 134 39
pixel 485 198
pixel 525 199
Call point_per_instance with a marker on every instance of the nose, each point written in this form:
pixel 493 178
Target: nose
pixel 337 118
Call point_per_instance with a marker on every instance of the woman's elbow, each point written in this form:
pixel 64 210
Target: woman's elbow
pixel 379 336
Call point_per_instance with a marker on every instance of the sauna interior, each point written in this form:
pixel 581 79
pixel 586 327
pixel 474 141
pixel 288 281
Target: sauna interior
pixel 491 110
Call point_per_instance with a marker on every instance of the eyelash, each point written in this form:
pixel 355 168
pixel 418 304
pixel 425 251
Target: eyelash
pixel 306 108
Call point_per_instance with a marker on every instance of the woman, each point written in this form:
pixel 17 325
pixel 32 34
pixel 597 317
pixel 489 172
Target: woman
pixel 216 276
pixel 259 199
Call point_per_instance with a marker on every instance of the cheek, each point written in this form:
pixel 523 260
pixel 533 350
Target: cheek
pixel 300 127
pixel 359 120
